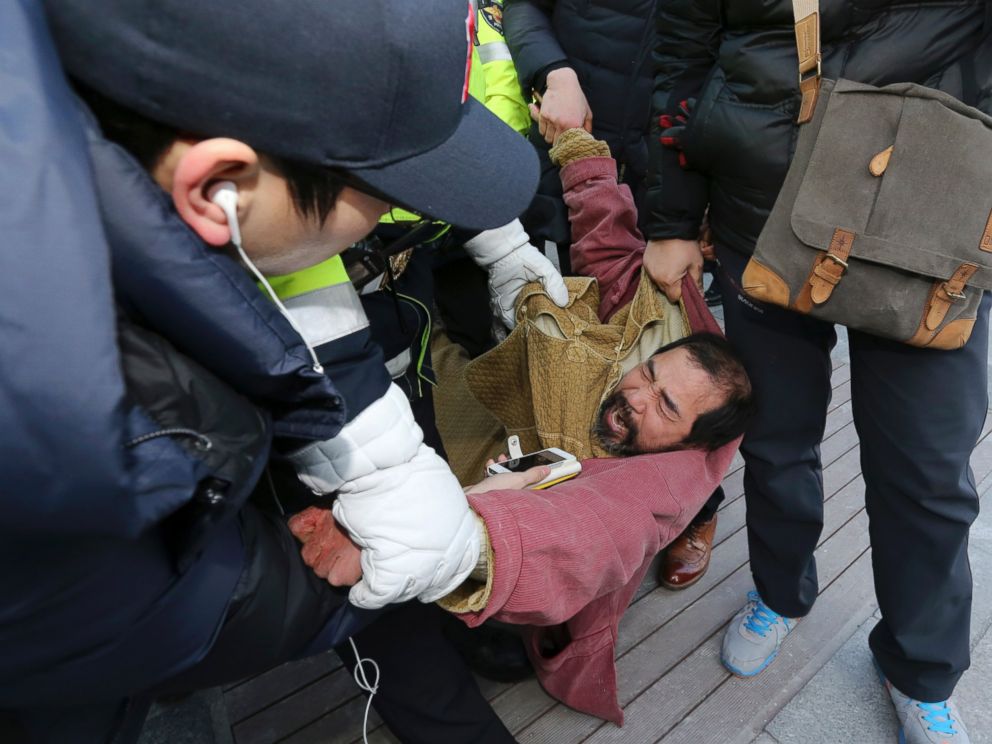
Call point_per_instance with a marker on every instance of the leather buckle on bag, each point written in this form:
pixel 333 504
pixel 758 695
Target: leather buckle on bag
pixel 817 76
pixel 955 296
pixel 837 260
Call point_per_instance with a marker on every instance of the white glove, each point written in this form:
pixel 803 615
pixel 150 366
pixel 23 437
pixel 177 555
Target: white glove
pixel 400 502
pixel 506 253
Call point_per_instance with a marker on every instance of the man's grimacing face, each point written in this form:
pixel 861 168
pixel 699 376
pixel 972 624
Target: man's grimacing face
pixel 654 406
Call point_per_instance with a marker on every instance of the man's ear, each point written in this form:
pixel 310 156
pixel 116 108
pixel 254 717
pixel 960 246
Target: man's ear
pixel 198 168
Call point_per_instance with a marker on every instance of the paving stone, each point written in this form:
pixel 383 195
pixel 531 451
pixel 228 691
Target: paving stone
pixel 765 738
pixel 199 718
pixel 845 703
pixel 972 694
pixel 184 722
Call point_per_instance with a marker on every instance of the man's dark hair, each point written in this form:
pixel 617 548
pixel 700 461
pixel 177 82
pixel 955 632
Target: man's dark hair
pixel 714 355
pixel 314 189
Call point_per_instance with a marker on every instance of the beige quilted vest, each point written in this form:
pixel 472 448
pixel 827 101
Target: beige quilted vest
pixel 546 382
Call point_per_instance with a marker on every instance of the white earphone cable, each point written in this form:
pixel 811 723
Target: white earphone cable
pixel 363 683
pixel 317 366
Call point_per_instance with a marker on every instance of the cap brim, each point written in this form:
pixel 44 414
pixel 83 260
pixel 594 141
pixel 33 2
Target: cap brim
pixel 483 176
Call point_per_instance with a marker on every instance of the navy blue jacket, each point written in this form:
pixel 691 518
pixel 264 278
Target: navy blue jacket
pixel 101 597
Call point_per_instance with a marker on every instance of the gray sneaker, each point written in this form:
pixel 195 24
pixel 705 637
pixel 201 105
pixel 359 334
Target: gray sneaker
pixel 925 723
pixel 753 637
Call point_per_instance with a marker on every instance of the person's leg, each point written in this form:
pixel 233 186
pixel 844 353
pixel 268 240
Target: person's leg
pixel 787 356
pixel 711 506
pixel 919 414
pixel 426 694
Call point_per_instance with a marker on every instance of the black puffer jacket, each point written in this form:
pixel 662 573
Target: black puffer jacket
pixel 608 44
pixel 737 58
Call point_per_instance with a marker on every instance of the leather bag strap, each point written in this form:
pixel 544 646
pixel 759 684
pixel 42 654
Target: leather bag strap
pixel 807 19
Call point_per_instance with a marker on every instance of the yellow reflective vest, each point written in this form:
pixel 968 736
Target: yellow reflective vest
pixel 494 79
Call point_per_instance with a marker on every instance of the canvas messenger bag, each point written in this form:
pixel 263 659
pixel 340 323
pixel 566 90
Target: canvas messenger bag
pixel 884 221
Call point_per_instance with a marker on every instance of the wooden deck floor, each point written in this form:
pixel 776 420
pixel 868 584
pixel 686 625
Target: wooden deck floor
pixel 672 684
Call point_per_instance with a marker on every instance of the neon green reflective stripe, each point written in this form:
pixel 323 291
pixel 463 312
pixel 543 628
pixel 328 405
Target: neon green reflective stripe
pixel 325 274
pixel 396 215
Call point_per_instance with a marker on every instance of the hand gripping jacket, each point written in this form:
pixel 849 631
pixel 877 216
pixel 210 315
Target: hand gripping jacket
pixel 512 262
pixel 111 524
pixel 395 495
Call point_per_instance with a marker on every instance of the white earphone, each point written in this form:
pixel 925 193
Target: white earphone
pixel 225 196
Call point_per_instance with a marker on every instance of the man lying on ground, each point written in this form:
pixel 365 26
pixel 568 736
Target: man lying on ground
pixel 617 378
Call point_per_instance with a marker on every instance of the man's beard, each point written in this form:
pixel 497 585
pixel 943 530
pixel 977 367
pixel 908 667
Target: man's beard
pixel 604 435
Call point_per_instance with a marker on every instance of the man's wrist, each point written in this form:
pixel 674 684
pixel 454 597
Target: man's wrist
pixel 543 78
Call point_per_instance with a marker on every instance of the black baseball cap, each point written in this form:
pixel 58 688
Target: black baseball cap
pixel 376 88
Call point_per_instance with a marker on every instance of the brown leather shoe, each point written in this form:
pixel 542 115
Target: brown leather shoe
pixel 688 556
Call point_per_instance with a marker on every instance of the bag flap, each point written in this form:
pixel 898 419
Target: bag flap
pixel 926 208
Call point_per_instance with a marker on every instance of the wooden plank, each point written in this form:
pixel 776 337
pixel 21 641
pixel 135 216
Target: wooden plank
pixel 840 394
pixel 523 704
pixel 674 701
pixel 340 726
pixel 259 692
pixel 677 636
pixel 840 374
pixel 296 711
pixel 381 735
pixel 739 709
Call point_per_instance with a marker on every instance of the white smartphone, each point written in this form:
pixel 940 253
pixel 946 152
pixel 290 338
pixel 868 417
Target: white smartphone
pixel 563 466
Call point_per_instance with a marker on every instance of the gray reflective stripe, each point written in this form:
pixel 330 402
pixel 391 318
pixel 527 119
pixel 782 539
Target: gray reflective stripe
pixel 398 365
pixel 327 314
pixel 494 51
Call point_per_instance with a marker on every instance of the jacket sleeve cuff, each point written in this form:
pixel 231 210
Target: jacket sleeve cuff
pixel 474 593
pixel 674 231
pixel 540 79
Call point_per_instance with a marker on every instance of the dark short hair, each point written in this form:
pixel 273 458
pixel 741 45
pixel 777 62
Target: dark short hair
pixel 715 356
pixel 314 189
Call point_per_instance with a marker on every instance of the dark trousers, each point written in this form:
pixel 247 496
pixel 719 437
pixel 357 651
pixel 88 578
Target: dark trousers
pixel 918 414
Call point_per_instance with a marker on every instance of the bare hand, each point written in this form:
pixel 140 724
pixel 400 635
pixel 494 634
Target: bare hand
pixel 327 548
pixel 563 106
pixel 668 261
pixel 510 481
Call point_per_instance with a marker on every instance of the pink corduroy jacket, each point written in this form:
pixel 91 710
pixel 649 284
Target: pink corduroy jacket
pixel 577 552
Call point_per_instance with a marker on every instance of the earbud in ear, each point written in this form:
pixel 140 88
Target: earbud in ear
pixel 225 196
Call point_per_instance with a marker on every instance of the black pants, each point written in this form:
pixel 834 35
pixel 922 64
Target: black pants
pixel 918 414
pixel 426 693
pixel 280 612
